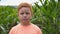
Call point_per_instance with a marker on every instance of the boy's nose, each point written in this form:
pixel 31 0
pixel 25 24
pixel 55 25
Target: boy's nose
pixel 24 15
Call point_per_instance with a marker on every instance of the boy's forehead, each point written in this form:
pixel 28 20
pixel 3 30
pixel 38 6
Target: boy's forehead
pixel 25 8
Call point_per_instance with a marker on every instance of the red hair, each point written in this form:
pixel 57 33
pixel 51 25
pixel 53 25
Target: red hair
pixel 25 5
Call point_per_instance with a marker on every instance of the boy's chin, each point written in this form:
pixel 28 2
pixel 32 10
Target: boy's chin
pixel 24 21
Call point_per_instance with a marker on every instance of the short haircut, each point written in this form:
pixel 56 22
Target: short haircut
pixel 25 5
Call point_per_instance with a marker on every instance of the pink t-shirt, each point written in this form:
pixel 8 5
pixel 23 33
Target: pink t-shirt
pixel 30 29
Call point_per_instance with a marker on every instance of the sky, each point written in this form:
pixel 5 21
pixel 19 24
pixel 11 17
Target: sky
pixel 15 2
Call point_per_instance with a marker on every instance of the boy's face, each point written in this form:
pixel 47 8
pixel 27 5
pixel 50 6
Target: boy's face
pixel 25 14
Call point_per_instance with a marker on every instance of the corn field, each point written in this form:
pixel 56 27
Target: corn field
pixel 47 17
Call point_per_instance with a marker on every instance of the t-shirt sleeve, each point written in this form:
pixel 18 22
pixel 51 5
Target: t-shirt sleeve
pixel 39 32
pixel 11 31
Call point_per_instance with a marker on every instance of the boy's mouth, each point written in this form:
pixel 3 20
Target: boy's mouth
pixel 25 19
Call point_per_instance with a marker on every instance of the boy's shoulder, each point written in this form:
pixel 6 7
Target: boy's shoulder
pixel 14 27
pixel 36 27
pixel 33 26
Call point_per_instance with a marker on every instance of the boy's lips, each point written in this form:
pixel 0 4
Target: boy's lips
pixel 24 19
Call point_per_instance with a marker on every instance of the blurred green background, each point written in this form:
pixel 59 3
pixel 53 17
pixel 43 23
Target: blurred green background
pixel 47 17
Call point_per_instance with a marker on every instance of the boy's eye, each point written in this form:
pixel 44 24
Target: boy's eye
pixel 22 13
pixel 27 13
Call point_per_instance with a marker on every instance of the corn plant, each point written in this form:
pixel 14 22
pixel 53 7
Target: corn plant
pixel 47 16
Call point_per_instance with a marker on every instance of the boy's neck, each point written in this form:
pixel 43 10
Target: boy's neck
pixel 25 24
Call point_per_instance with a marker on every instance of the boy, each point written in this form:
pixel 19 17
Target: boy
pixel 25 27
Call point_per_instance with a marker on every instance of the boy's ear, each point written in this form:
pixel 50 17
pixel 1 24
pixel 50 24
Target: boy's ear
pixel 32 14
pixel 18 13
